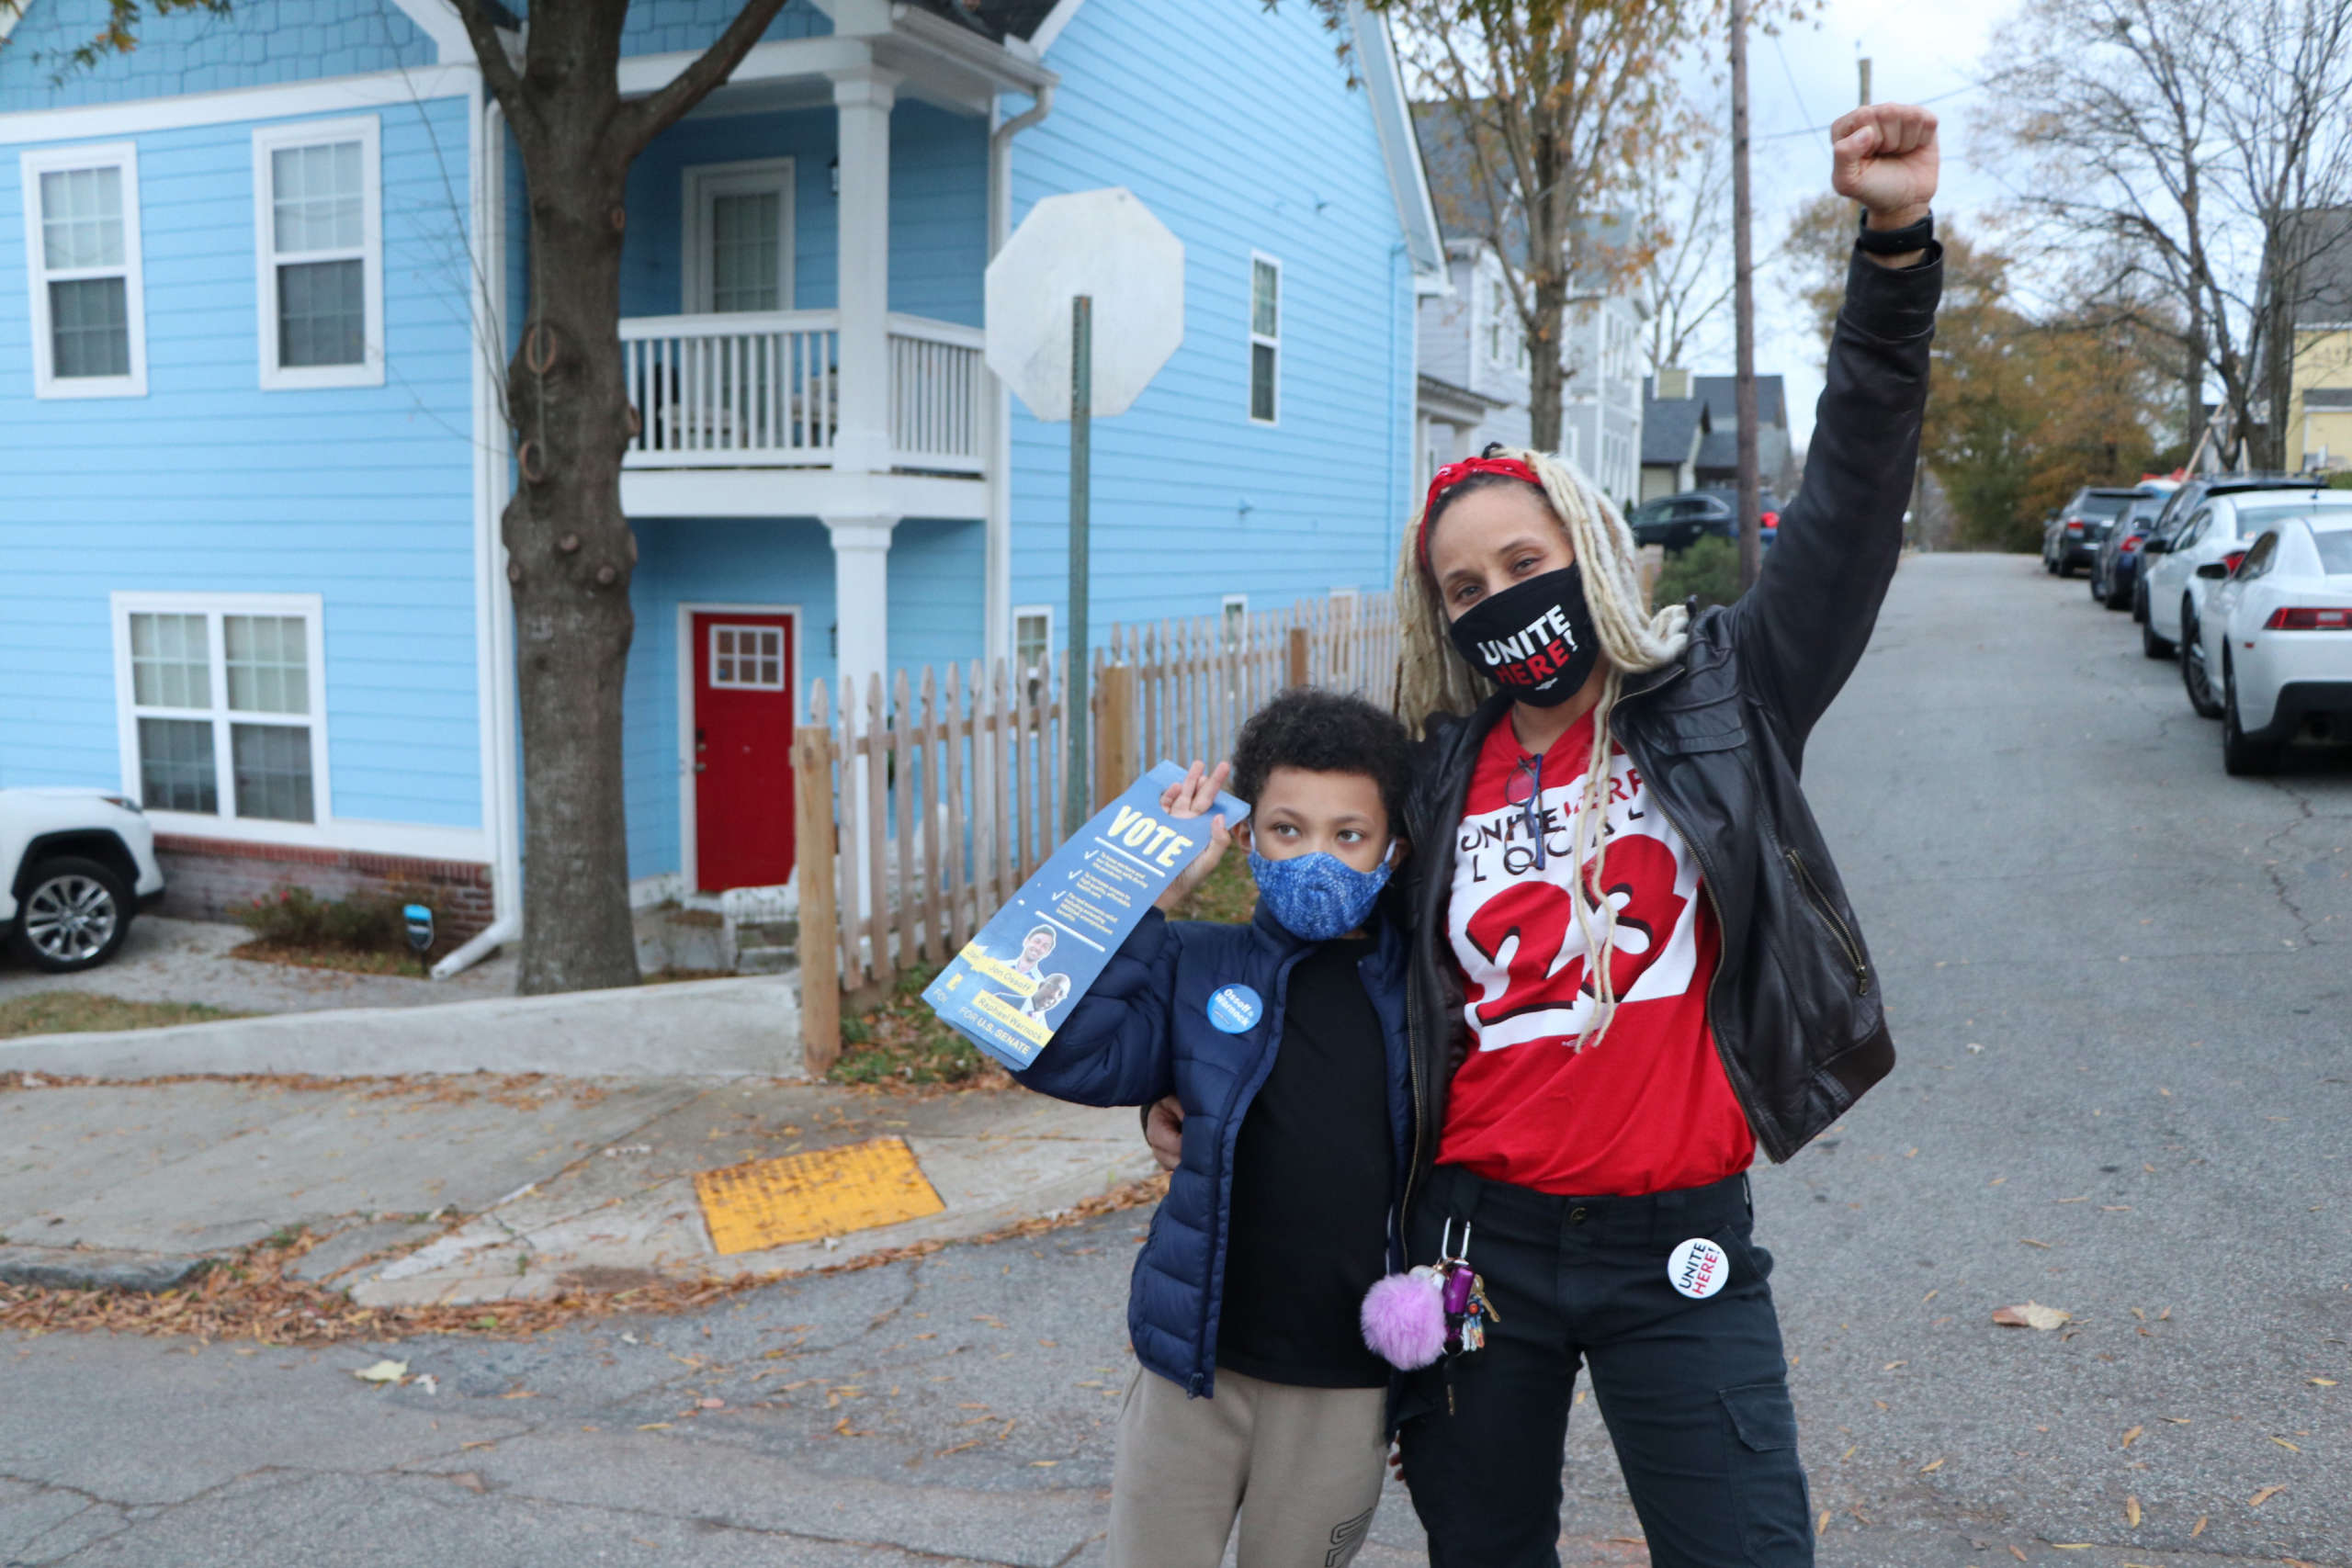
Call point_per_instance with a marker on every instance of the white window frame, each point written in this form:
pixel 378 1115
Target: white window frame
pixel 1224 608
pixel 31 164
pixel 1028 612
pixel 269 138
pixel 1257 339
pixel 214 607
pixel 783 654
pixel 702 183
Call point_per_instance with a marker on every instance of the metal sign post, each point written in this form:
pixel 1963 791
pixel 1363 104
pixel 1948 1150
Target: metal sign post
pixel 1078 776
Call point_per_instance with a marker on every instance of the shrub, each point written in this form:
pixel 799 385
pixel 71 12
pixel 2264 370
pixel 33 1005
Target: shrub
pixel 1708 568
pixel 364 921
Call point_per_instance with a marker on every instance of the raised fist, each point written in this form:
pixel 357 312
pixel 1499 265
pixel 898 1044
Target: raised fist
pixel 1885 159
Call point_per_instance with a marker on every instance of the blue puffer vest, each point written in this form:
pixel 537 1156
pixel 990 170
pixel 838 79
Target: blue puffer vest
pixel 1143 1032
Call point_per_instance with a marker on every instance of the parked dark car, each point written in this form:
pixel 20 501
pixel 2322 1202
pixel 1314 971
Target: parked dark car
pixel 1678 521
pixel 2069 538
pixel 2115 567
pixel 2179 507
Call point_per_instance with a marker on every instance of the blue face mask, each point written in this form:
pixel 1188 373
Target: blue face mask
pixel 1319 896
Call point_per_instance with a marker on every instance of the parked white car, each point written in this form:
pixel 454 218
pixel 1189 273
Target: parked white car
pixel 2278 631
pixel 2217 536
pixel 79 865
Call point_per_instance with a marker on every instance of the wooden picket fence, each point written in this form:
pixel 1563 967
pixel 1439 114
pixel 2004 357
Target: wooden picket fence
pixel 924 806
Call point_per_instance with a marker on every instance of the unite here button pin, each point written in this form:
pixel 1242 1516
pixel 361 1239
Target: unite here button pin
pixel 1697 1269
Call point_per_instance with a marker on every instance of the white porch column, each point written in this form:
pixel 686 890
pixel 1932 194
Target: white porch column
pixel 862 100
pixel 861 596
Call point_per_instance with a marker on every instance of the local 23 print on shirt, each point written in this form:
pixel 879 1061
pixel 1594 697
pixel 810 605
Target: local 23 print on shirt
pixel 1648 1109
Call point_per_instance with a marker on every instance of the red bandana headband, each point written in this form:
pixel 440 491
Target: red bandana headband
pixel 1453 474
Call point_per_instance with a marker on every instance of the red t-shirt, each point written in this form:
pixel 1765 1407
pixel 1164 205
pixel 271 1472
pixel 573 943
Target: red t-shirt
pixel 1648 1110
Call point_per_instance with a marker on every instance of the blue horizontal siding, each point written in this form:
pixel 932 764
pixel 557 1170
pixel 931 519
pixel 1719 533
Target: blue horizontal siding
pixel 938 208
pixel 208 484
pixel 1234 125
pixel 261 43
pixel 936 610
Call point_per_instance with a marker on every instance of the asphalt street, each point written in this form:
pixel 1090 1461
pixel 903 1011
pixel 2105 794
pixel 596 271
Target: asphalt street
pixel 2117 982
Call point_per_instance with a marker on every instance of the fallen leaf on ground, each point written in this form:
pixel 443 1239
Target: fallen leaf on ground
pixel 1933 1464
pixel 469 1480
pixel 1821 1524
pixel 2032 1315
pixel 2263 1496
pixel 2131 1512
pixel 2131 1437
pixel 2202 1519
pixel 382 1371
pixel 2288 1446
pixel 2016 1553
pixel 2028 1241
pixel 478 1443
pixel 655 1426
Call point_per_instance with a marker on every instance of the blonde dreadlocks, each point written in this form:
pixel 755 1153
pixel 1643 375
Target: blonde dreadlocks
pixel 1434 679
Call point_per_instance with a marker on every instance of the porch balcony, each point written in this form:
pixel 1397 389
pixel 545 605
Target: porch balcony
pixel 764 390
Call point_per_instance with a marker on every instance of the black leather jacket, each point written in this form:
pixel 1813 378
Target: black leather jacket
pixel 1720 737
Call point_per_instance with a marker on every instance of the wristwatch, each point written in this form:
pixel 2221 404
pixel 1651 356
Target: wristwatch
pixel 1898 242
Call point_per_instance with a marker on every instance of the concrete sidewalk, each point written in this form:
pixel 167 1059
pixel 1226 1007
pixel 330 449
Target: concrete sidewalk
pixel 457 1190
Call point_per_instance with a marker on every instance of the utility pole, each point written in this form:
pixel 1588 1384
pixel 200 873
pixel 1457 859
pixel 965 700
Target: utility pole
pixel 1751 539
pixel 1077 780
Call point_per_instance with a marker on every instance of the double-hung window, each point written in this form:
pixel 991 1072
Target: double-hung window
pixel 318 232
pixel 220 696
pixel 1033 646
pixel 1265 339
pixel 89 325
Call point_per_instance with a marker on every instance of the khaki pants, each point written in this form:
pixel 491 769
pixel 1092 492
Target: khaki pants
pixel 1301 1466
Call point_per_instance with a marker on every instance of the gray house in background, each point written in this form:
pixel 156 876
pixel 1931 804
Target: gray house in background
pixel 1692 434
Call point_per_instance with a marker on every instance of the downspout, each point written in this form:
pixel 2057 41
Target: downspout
pixel 997 616
pixel 494 617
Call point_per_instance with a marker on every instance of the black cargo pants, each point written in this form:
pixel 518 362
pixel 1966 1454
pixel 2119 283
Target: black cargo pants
pixel 1695 1393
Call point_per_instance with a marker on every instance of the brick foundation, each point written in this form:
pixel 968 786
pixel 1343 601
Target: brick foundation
pixel 204 878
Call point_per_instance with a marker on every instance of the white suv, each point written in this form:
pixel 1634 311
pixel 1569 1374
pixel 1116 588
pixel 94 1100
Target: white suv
pixel 78 864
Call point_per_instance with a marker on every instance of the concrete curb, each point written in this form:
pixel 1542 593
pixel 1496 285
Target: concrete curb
pixel 736 1028
pixel 73 1268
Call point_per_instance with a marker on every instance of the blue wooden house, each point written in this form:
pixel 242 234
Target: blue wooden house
pixel 258 281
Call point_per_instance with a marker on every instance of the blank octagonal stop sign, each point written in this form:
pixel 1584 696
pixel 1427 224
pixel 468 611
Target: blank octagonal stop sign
pixel 1105 244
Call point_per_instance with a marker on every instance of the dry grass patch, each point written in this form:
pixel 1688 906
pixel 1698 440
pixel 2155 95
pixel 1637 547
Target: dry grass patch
pixel 79 1012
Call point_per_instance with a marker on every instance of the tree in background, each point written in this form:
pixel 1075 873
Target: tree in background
pixel 569 550
pixel 2024 407
pixel 1539 112
pixel 2171 149
pixel 1686 276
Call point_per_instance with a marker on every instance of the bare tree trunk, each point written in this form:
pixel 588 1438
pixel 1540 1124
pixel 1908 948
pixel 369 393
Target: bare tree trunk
pixel 1546 376
pixel 569 550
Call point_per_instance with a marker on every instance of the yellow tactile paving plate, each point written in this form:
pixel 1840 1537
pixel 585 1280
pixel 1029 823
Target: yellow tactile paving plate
pixel 771 1202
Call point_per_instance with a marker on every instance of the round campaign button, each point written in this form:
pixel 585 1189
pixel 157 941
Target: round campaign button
pixel 1235 1008
pixel 1697 1269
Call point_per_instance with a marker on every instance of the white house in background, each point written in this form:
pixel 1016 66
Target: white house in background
pixel 1473 383
pixel 1600 412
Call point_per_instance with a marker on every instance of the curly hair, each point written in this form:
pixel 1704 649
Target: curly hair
pixel 1324 732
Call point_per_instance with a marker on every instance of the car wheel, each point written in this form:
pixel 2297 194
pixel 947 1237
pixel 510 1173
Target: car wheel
pixel 2098 589
pixel 2194 676
pixel 2117 599
pixel 74 915
pixel 2241 756
pixel 2140 603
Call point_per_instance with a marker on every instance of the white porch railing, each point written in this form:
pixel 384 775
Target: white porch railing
pixel 763 389
pixel 731 390
pixel 937 379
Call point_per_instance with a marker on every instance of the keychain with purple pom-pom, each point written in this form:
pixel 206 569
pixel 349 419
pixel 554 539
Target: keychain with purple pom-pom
pixel 1411 1319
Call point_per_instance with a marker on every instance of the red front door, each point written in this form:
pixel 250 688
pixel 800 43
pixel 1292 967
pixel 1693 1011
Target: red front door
pixel 743 690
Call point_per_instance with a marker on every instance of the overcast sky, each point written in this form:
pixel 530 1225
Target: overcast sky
pixel 1929 53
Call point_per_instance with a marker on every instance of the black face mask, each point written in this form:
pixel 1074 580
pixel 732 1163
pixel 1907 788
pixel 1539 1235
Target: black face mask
pixel 1535 640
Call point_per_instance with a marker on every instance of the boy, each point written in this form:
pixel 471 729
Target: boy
pixel 1284 1041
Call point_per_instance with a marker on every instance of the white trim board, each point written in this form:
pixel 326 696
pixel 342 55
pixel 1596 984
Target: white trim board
pixel 689 846
pixel 379 89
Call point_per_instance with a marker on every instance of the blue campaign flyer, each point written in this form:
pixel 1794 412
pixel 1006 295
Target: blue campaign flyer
pixel 1014 982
